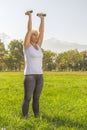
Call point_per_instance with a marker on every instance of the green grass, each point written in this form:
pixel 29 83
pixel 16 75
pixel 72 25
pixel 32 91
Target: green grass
pixel 63 102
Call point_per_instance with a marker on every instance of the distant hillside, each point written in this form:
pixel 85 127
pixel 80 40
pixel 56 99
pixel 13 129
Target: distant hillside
pixel 52 44
pixel 5 38
pixel 60 46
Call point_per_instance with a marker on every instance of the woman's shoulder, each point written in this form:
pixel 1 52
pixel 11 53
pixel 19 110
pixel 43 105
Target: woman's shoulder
pixel 27 48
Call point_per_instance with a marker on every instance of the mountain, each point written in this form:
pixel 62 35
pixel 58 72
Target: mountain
pixel 52 44
pixel 61 46
pixel 5 38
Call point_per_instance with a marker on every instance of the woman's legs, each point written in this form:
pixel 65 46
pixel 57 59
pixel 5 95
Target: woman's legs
pixel 29 85
pixel 33 85
pixel 36 94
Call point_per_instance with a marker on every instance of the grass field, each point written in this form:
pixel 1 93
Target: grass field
pixel 63 102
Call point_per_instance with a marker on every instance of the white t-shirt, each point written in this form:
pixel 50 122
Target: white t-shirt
pixel 33 60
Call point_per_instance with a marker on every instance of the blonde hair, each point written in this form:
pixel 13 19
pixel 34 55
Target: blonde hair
pixel 34 31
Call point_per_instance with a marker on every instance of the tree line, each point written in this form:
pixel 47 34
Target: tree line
pixel 12 59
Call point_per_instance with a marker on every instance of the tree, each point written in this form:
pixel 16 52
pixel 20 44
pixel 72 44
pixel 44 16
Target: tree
pixel 49 60
pixel 84 60
pixel 16 54
pixel 70 60
pixel 2 52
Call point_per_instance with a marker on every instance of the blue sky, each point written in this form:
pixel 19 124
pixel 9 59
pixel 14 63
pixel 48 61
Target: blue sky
pixel 66 19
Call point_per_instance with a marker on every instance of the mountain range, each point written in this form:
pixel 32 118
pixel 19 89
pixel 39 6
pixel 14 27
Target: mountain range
pixel 5 38
pixel 56 45
pixel 52 44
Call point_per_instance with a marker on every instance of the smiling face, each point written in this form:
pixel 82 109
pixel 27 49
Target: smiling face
pixel 34 37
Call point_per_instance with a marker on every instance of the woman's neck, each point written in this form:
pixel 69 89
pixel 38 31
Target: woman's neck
pixel 35 45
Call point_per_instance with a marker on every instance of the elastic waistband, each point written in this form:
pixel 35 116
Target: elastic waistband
pixel 33 74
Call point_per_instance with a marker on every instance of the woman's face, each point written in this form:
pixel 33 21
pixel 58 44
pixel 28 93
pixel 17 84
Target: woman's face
pixel 34 37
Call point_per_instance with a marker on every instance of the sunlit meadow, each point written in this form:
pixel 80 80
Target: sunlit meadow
pixel 63 102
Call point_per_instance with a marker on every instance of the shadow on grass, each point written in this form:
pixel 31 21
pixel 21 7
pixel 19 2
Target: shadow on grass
pixel 60 121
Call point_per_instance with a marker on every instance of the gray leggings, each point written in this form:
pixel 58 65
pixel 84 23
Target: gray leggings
pixel 32 87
